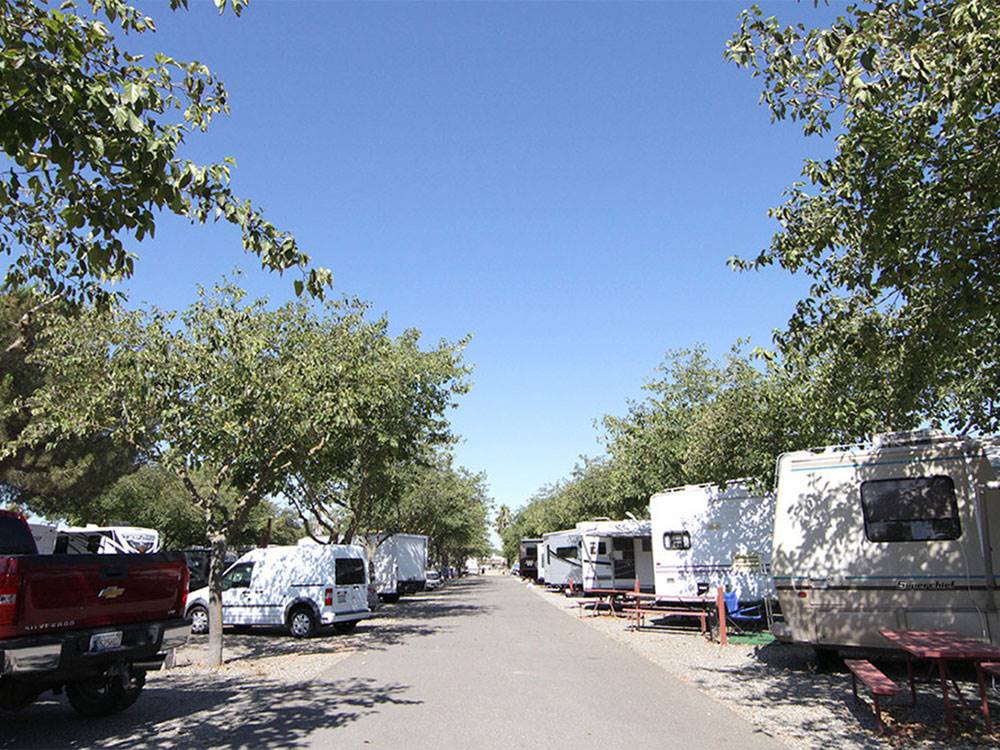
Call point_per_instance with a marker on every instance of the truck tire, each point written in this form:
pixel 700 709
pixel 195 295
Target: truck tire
pixel 103 695
pixel 198 616
pixel 343 628
pixel 301 622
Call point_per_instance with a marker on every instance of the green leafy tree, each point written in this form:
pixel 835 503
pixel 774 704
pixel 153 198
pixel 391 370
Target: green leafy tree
pixel 91 135
pixel 899 229
pixel 230 396
pixel 503 519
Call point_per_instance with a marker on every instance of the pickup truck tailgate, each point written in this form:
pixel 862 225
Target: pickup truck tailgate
pixel 64 592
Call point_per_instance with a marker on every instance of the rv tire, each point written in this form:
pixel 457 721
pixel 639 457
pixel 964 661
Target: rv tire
pixel 301 622
pixel 827 659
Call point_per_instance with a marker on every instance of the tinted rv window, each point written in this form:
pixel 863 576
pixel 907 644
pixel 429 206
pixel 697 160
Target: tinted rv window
pixel 647 544
pixel 350 571
pixel 565 552
pixel 598 549
pixel 676 540
pixel 910 510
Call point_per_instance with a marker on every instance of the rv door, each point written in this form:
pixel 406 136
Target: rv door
pixel 623 559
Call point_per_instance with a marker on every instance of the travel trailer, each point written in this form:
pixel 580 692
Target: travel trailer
pixel 400 562
pixel 616 553
pixel 301 588
pixel 540 561
pixel 528 558
pixel 705 537
pixel 561 552
pixel 895 533
pixel 106 540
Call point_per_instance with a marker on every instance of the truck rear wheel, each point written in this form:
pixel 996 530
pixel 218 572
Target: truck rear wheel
pixel 104 695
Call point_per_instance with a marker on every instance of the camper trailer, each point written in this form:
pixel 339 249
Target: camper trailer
pixel 540 561
pixel 528 558
pixel 301 588
pixel 44 535
pixel 705 537
pixel 895 533
pixel 561 551
pixel 106 540
pixel 400 562
pixel 614 554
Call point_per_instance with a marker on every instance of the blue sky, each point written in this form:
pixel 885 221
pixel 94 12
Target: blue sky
pixel 564 182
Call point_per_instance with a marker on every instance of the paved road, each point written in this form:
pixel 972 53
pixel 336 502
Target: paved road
pixel 483 664
pixel 499 668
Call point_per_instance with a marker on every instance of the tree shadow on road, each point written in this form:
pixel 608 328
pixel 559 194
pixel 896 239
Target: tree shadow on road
pixel 201 710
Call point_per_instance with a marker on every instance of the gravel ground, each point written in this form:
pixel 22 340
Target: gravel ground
pixel 777 688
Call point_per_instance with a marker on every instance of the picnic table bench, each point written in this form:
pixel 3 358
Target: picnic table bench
pixel 878 684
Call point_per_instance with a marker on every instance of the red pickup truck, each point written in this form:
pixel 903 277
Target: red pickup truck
pixel 90 624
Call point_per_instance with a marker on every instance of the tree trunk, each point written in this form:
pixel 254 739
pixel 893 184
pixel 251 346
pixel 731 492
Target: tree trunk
pixel 217 540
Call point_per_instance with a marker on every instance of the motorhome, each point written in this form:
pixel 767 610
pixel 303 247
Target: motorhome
pixel 614 554
pixel 400 562
pixel 561 552
pixel 299 587
pixel 528 558
pixel 106 540
pixel 895 533
pixel 705 536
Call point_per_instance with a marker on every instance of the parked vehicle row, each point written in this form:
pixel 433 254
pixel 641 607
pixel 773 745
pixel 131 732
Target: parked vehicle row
pixel 894 533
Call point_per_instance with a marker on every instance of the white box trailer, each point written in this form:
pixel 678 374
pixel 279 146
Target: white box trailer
pixel 561 552
pixel 299 587
pixel 705 537
pixel 400 563
pixel 616 553
pixel 895 533
pixel 106 540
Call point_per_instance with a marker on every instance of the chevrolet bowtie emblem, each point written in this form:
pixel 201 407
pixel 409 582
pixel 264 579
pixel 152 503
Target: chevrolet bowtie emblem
pixel 111 592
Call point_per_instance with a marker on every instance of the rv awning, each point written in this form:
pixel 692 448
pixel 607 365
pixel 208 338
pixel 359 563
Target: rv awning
pixel 627 528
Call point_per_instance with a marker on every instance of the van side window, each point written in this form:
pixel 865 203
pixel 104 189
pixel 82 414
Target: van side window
pixel 350 571
pixel 919 509
pixel 676 540
pixel 238 577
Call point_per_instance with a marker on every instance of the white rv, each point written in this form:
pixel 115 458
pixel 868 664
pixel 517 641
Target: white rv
pixel 106 540
pixel 540 561
pixel 705 537
pixel 528 558
pixel 616 553
pixel 400 562
pixel 561 552
pixel 301 588
pixel 895 533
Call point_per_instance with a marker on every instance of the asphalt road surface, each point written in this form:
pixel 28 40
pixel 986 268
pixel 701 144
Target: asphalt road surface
pixel 484 663
pixel 500 668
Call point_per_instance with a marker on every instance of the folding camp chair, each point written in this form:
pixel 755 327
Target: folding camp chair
pixel 745 616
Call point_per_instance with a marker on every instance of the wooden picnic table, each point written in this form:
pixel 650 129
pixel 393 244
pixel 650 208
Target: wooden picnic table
pixel 943 647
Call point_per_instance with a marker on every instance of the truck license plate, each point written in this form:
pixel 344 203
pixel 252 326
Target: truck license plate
pixel 106 641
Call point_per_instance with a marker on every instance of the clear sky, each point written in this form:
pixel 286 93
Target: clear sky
pixel 563 181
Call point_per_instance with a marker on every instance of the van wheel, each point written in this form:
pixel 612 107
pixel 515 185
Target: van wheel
pixel 343 628
pixel 198 616
pixel 301 622
pixel 104 695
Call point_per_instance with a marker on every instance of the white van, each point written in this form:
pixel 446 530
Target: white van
pixel 560 551
pixel 301 588
pixel 614 554
pixel 705 537
pixel 895 533
pixel 106 540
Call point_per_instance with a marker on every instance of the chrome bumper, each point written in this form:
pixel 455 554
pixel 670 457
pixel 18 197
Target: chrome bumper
pixel 43 658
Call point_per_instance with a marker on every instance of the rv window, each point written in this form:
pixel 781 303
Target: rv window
pixel 598 548
pixel 565 552
pixel 647 544
pixel 238 577
pixel 350 571
pixel 920 509
pixel 676 540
